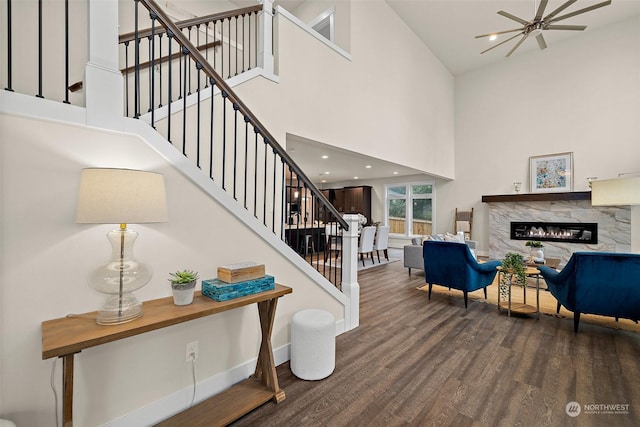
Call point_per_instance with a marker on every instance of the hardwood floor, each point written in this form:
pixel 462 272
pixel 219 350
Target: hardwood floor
pixel 414 362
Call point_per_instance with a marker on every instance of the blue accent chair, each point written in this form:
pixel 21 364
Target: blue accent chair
pixel 602 283
pixel 451 264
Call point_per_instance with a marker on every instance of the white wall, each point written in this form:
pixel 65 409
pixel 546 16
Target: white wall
pixel 46 258
pixel 582 95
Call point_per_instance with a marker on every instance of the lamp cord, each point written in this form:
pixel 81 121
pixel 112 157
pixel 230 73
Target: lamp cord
pixel 193 372
pixel 53 389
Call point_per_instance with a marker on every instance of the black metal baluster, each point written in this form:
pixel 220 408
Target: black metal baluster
pixel 206 52
pixel 152 79
pixel 160 67
pixel 189 69
pixel 246 156
pixel 39 95
pixel 243 44
pixel 229 50
pixel 255 175
pixel 275 174
pixel 283 184
pixel 236 46
pixel 235 148
pixel 224 138
pixel 215 39
pixel 211 128
pixel 9 51
pixel 126 77
pixel 66 51
pixel 185 53
pixel 249 38
pixel 198 69
pixel 136 40
pixel 170 84
pixel 264 191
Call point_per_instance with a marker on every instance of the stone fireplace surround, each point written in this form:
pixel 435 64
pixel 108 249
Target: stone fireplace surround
pixel 614 222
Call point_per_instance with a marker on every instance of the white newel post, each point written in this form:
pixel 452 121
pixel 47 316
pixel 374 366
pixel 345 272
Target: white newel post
pixel 350 286
pixel 102 79
pixel 265 37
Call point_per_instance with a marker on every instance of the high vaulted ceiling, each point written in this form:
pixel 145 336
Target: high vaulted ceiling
pixel 448 28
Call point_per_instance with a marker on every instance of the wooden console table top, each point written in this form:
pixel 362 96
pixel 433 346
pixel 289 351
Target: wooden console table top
pixel 72 334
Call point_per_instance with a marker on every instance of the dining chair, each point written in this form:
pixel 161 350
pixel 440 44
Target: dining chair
pixel 365 245
pixel 381 242
pixel 334 240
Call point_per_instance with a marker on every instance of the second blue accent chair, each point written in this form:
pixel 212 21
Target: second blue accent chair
pixel 451 264
pixel 603 283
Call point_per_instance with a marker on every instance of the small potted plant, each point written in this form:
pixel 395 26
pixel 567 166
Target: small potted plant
pixel 536 253
pixel 183 283
pixel 513 273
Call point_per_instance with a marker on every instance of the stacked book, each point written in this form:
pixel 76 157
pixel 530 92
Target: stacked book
pixel 237 280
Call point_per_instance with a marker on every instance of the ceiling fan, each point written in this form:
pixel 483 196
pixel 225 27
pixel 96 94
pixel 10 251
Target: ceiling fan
pixel 539 24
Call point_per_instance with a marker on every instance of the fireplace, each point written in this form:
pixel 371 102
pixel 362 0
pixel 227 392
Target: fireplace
pixel 566 232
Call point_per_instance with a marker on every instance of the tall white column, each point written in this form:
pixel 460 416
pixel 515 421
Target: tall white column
pixel 102 80
pixel 265 37
pixel 350 286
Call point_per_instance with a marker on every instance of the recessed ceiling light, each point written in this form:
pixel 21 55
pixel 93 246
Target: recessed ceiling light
pixel 395 173
pixel 492 37
pixel 327 173
pixel 368 166
pixel 355 177
pixel 325 157
pixel 324 180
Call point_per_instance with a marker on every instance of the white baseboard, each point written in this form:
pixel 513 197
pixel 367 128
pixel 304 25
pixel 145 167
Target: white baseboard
pixel 177 402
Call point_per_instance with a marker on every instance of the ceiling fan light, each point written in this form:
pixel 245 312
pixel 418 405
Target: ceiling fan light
pixel 492 37
pixel 536 32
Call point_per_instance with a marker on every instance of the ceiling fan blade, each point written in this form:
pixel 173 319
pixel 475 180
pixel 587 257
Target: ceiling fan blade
pixel 541 8
pixel 541 42
pixel 578 12
pixel 500 44
pixel 565 27
pixel 517 45
pixel 560 9
pixel 515 18
pixel 499 32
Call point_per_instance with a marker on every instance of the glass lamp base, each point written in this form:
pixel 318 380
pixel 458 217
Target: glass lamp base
pixel 119 310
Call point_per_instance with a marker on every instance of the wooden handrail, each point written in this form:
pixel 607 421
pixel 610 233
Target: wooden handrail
pixel 127 37
pixel 153 7
pixel 78 85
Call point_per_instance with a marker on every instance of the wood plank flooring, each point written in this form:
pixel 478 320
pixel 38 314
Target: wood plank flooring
pixel 414 362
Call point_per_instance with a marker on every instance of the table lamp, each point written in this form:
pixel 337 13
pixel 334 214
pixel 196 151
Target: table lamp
pixel 120 196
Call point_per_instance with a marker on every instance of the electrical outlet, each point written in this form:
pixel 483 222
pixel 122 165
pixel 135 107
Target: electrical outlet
pixel 192 351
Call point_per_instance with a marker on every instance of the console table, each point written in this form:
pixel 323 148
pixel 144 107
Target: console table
pixel 64 337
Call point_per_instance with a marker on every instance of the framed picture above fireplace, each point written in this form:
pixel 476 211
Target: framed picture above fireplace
pixel 551 173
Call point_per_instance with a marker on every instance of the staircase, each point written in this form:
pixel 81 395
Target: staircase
pixel 172 80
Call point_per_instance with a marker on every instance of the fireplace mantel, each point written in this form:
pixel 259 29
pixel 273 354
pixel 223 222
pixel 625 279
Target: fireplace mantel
pixel 538 197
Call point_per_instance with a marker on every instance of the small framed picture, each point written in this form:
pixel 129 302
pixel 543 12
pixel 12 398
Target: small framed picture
pixel 551 173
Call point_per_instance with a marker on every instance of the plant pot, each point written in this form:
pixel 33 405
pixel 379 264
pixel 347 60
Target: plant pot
pixel 537 255
pixel 183 292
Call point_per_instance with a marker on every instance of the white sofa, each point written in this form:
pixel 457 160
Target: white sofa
pixel 413 253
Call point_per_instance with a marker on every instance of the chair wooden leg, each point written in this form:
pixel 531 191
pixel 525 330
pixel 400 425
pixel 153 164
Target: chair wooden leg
pixel 576 321
pixel 485 292
pixel 465 298
pixel 378 253
pixel 362 258
pixel 558 308
pixel 409 271
pixel 386 254
pixel 430 286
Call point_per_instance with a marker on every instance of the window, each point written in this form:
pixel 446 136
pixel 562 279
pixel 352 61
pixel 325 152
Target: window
pixel 324 24
pixel 409 208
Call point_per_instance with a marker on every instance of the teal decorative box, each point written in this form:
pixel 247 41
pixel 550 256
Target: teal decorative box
pixel 222 291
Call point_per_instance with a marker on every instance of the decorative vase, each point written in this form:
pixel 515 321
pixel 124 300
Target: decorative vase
pixel 183 292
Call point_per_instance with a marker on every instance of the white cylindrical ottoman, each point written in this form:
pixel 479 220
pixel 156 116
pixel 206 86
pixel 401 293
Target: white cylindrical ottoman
pixel 313 344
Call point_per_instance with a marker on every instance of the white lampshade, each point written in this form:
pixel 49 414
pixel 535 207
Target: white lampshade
pixel 117 196
pixel 616 192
